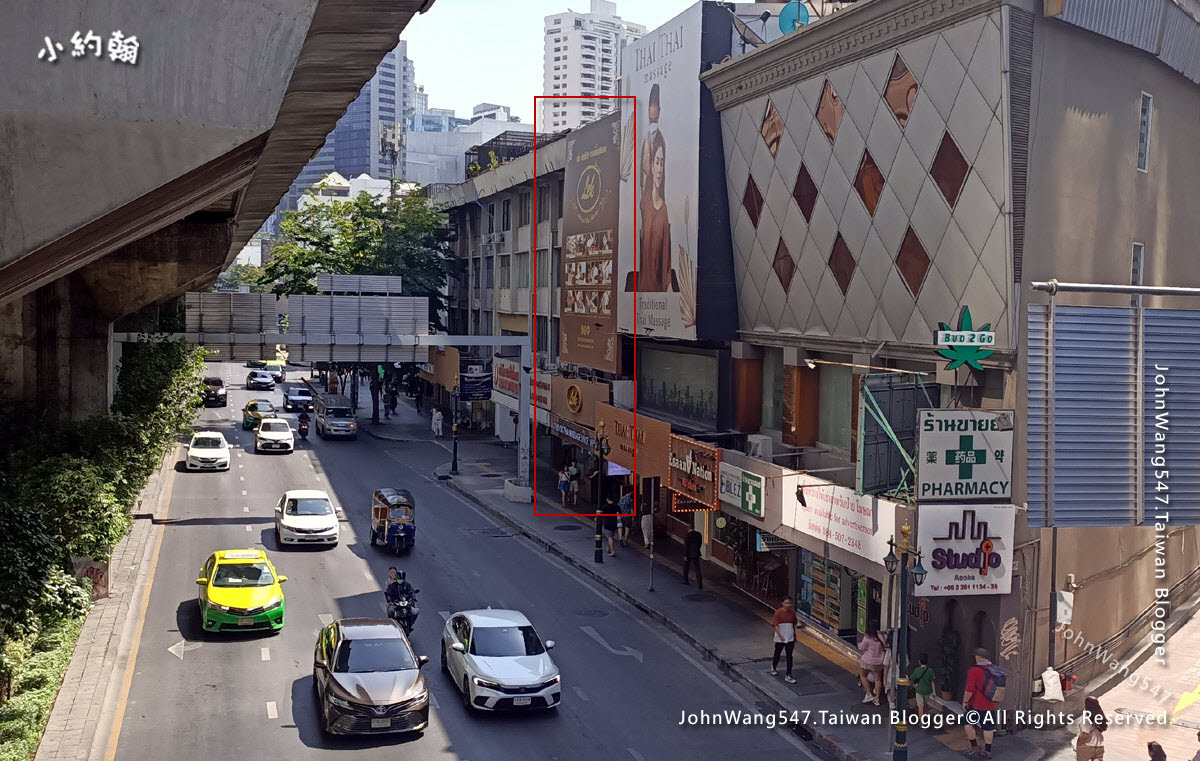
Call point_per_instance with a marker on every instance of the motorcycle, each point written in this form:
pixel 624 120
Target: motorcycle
pixel 302 428
pixel 405 611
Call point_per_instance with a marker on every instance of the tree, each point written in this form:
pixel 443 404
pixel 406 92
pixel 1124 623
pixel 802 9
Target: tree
pixel 244 274
pixel 401 236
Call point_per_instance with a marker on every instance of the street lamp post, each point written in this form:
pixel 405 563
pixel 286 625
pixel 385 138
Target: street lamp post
pixel 909 555
pixel 454 428
pixel 602 445
pixel 651 506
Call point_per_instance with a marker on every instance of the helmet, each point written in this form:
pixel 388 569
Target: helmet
pixel 401 575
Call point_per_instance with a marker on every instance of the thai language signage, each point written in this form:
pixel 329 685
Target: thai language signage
pixel 627 434
pixel 964 455
pixel 506 385
pixel 858 523
pixel 968 549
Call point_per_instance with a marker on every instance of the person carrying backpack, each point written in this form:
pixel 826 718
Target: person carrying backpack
pixel 981 697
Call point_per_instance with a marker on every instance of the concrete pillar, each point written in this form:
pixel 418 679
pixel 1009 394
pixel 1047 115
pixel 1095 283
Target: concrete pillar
pixel 747 386
pixel 17 354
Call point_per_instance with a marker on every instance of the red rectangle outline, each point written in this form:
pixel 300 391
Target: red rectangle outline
pixel 533 304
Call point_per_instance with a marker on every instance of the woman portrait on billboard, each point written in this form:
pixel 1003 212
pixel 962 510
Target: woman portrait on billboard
pixel 654 269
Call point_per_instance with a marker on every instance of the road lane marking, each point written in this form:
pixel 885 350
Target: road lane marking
pixel 636 755
pixel 625 650
pixel 582 696
pixel 266 653
pixel 326 619
pixel 272 711
pixel 433 701
pixel 249 528
pixel 241 478
pixel 243 492
pixel 245 509
pixel 114 735
pixel 241 465
pixel 477 574
pixel 239 454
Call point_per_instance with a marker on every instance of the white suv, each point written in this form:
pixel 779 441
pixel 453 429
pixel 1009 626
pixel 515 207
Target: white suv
pixel 306 516
pixel 274 435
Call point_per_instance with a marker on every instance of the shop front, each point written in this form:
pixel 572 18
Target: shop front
pixel 506 389
pixel 693 484
pixel 751 503
pixel 641 446
pixel 572 424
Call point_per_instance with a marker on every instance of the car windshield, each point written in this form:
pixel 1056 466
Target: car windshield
pixel 262 376
pixel 208 442
pixel 216 382
pixel 274 427
pixel 505 642
pixel 243 575
pixel 298 393
pixel 339 412
pixel 309 506
pixel 360 656
pixel 262 406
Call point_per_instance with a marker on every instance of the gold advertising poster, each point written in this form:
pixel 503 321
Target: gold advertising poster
pixel 589 305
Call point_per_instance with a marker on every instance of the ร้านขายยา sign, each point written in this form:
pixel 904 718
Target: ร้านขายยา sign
pixel 968 549
pixel 964 455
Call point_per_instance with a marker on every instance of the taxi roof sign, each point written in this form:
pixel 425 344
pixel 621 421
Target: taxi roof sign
pixel 242 554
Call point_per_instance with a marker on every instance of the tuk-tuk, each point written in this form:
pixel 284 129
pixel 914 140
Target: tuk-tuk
pixel 393 519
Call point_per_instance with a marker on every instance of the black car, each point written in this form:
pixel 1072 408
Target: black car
pixel 215 393
pixel 260 379
pixel 367 679
pixel 298 398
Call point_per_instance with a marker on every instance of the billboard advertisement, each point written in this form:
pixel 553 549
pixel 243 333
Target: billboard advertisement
pixel 659 229
pixel 968 549
pixel 964 455
pixel 590 222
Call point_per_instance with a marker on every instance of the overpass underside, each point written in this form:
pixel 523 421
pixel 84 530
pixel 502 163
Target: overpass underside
pixel 126 184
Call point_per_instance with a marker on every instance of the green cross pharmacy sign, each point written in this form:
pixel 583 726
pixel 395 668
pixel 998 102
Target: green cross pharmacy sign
pixel 964 455
pixel 741 488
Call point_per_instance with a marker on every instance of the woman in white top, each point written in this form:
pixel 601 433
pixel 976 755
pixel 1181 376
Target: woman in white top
pixel 1089 745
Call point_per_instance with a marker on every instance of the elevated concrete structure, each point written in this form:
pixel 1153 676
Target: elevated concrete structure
pixel 127 184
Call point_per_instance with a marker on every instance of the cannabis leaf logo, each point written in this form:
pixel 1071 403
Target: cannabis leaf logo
pixel 968 355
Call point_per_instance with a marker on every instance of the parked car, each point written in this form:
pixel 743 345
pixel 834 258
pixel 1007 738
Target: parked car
pixel 368 680
pixel 215 393
pixel 260 379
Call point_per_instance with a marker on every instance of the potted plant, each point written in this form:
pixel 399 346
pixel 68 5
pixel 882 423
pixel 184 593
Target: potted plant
pixel 948 662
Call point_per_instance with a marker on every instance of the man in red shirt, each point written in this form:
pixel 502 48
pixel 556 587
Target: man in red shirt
pixel 784 624
pixel 980 710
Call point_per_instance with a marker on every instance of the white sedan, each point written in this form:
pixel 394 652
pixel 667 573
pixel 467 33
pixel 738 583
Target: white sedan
pixel 208 450
pixel 274 435
pixel 306 516
pixel 498 662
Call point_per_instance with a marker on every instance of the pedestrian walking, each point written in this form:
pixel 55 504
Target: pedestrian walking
pixel 393 400
pixel 624 521
pixel 1156 752
pixel 610 525
pixel 691 557
pixel 784 624
pixel 564 484
pixel 870 663
pixel 981 697
pixel 1089 745
pixel 885 638
pixel 922 679
pixel 573 474
pixel 1197 756
pixel 420 399
pixel 436 423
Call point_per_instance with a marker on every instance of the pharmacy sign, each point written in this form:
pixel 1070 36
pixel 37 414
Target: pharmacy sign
pixel 964 455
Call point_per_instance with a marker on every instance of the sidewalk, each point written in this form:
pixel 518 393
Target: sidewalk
pixel 82 717
pixel 724 626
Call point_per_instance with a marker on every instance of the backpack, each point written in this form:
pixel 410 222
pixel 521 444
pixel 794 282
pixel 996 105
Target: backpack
pixel 994 681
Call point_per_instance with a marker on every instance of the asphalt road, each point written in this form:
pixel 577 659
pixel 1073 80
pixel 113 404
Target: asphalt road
pixel 197 696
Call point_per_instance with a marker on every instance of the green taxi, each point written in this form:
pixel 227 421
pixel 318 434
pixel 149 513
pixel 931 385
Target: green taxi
pixel 240 591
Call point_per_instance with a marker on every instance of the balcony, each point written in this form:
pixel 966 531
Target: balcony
pixel 522 305
pixel 504 300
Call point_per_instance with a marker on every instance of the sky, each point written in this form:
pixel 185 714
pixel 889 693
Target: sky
pixel 467 52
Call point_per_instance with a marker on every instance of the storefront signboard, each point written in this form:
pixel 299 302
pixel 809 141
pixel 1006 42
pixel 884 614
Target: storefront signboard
pixel 968 549
pixel 575 399
pixel 964 455
pixel 694 470
pixel 858 523
pixel 742 489
pixel 578 434
pixel 506 386
pixel 653 440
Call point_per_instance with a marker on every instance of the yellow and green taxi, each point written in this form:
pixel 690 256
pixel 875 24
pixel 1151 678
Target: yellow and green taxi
pixel 255 410
pixel 239 591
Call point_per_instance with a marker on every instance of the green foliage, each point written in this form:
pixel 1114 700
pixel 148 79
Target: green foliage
pixel 493 162
pixel 37 590
pixel 24 716
pixel 365 236
pixel 244 274
pixel 78 502
pixel 473 169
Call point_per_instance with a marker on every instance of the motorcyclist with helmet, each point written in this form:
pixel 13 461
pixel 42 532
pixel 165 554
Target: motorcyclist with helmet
pixel 303 428
pixel 397 592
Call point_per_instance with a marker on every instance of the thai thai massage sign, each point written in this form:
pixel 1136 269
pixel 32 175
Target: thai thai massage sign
pixel 968 549
pixel 694 469
pixel 964 455
pixel 858 523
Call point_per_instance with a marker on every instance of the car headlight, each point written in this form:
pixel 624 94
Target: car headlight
pixel 220 607
pixel 273 605
pixel 339 702
pixel 351 425
pixel 554 679
pixel 485 683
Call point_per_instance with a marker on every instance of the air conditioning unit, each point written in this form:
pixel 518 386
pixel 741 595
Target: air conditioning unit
pixel 762 447
pixel 550 367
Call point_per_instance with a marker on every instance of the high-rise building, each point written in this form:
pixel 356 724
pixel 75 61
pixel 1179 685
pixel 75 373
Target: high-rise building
pixel 583 57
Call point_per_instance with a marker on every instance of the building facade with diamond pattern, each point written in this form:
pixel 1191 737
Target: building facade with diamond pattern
pixel 892 164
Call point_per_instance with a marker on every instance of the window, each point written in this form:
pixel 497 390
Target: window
pixel 521 266
pixel 523 210
pixel 543 204
pixel 558 22
pixel 1143 157
pixel 543 268
pixel 506 215
pixel 772 389
pixel 836 394
pixel 491 218
pixel 505 272
pixel 1139 256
